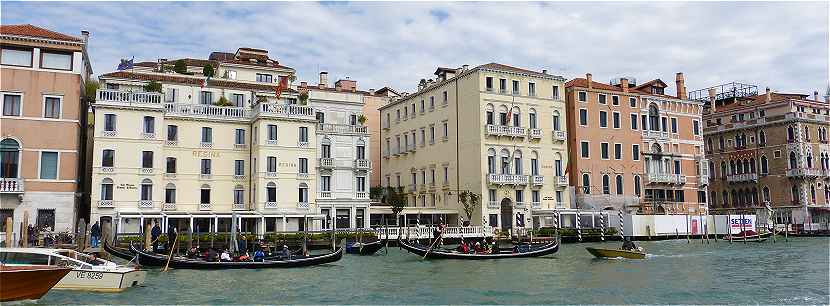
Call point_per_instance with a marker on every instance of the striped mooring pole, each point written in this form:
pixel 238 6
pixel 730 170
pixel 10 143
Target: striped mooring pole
pixel 622 225
pixel 602 227
pixel 578 226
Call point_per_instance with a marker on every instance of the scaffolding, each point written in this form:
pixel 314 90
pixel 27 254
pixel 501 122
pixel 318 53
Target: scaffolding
pixel 723 92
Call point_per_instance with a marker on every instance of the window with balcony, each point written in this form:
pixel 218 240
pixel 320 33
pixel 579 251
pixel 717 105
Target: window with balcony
pixel 653 118
pixel 303 165
pixel 9 158
pixel 532 118
pixel 170 193
pixel 147 159
pixel 14 56
pixel 146 190
pixel 205 167
pixel 11 104
pixel 557 124
pixel 505 162
pixel 517 163
pixel 170 166
pixel 239 137
pixel 172 133
pixel 107 158
pixel 170 95
pixel 558 165
pixel 106 189
pixel 52 107
pixel 534 163
pixel 360 183
pixel 207 135
pixel 206 98
pixel 517 117
pixel 586 183
pixel 238 100
pixel 56 60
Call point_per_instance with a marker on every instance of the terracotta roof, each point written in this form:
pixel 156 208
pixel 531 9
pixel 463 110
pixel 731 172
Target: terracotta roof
pixel 331 89
pixel 273 64
pixel 171 78
pixel 502 67
pixel 195 62
pixel 650 83
pixel 33 31
pixel 386 89
pixel 581 82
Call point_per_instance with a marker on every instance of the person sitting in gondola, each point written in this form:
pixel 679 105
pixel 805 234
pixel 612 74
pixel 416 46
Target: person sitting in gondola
pixel 226 256
pixel 245 257
pixel 286 253
pixel 478 248
pixel 463 248
pixel 212 255
pixel 259 255
pixel 628 245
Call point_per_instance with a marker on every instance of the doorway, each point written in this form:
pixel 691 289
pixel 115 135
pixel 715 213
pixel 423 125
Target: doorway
pixel 506 213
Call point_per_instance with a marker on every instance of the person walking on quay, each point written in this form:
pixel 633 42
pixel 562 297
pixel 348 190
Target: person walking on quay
pixel 171 237
pixel 95 234
pixel 155 233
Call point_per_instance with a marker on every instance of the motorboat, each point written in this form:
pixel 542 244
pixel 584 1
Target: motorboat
pixel 28 282
pixel 616 253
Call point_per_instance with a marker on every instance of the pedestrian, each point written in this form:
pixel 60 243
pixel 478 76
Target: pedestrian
pixel 95 234
pixel 155 233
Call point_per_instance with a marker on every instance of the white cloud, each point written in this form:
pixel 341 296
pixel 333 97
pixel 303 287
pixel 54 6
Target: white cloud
pixel 780 45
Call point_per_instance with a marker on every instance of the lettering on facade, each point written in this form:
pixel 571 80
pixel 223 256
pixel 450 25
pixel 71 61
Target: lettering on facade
pixel 126 186
pixel 288 165
pixel 548 166
pixel 547 198
pixel 206 154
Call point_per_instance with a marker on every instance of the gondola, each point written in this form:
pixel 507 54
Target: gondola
pixel 363 249
pixel 611 253
pixel 150 259
pixel 529 251
pixel 750 236
pixel 122 253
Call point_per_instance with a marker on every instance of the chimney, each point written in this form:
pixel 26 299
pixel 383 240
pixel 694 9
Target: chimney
pixel 324 79
pixel 712 93
pixel 544 71
pixel 465 67
pixel 624 84
pixel 769 95
pixel 680 81
pixel 85 35
pixel 161 62
pixel 815 96
pixel 588 77
pixel 303 84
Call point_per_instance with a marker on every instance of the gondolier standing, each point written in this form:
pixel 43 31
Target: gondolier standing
pixel 171 237
pixel 154 234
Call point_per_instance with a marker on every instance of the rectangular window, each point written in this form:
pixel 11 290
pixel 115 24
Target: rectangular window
pixel 325 183
pixel 204 196
pixel 109 122
pixel 206 97
pixel 147 159
pixel 107 158
pixel 635 152
pixel 489 83
pixel 52 107
pixel 502 85
pixel 674 125
pixel 556 92
pixel 445 98
pixel 205 167
pixel 615 100
pixel 171 165
pixel 207 135
pixel 534 195
pixel 633 121
pixel 172 133
pixel 49 165
pixel 676 167
pixel 664 124
pixel 106 191
pixel 632 102
pixel 446 130
pixel 352 119
pixel 264 78
pixel 520 196
pixel 238 196
pixel 582 96
pixel 584 150
pixel 431 102
pixel 431 134
pixel 603 150
pixel 446 175
pixel 238 100
pixel 170 95
pixel 583 117
pixel 531 89
pixel 696 127
pixel 239 167
pixel 16 57
pixel 45 218
pixel 272 132
pixel 616 120
pixel 617 151
pixel 303 134
pixel 11 105
pixel 303 165
pixel 603 119
pixel 56 60
pixel 361 184
pixel 239 137
pixel 170 195
pixel 601 99
pixel 149 125
pixel 271 165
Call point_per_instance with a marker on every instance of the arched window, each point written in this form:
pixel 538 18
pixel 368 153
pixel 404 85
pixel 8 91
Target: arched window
pixel 106 189
pixel 606 184
pixel 557 124
pixel 735 199
pixel 619 184
pixel 491 161
pixel 762 138
pixel 531 116
pixel 637 185
pixel 764 165
pixel 517 116
pixel 503 115
pixel 765 193
pixel 271 192
pixel 725 196
pixel 809 160
pixel 170 193
pixel 146 190
pixel 793 161
pixel 9 158
pixel 204 194
pixel 732 169
pixel 751 165
pixel 303 193
pixel 794 194
pixel 325 147
pixel 656 149
pixel 813 193
pixel 740 167
pixel 723 169
pixel 488 114
pixel 505 161
pixel 360 148
pixel 653 118
pixel 517 163
pixel 534 163
pixel 790 133
pixel 558 164
pixel 586 183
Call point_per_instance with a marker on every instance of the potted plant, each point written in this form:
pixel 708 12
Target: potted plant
pixel 223 102
pixel 153 86
pixel 362 119
pixel 179 66
pixel 303 98
pixel 208 71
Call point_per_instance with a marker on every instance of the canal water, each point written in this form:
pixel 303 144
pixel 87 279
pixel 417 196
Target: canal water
pixel 676 272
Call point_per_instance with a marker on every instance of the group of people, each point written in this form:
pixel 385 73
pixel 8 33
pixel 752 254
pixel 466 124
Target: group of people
pixel 476 247
pixel 213 255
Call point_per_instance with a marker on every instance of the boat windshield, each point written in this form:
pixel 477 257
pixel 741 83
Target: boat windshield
pixel 88 259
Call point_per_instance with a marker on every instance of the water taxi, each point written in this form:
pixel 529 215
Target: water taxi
pixel 612 253
pixel 88 272
pixel 25 282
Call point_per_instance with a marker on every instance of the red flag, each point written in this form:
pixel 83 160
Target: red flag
pixel 283 84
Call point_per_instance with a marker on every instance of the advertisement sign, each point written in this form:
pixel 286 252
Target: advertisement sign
pixel 738 223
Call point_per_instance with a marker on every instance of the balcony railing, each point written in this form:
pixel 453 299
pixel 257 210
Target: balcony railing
pixel 205 176
pixel 361 195
pixel 146 170
pixel 207 111
pixel 666 178
pixel 561 181
pixel 493 204
pixel 538 180
pixel 126 97
pixel 362 163
pixel 560 135
pixel 270 205
pixel 535 205
pixel 507 179
pixel 413 187
pixel 205 206
pixel 745 177
pixel 341 128
pixel 324 194
pixel 169 206
pixel 11 185
pixel 105 204
pixel 302 144
pixel 145 204
pixel 285 110
pixel 148 135
pixel 655 134
pixel 804 172
pixel 109 133
pixel 535 133
pixel 326 162
pixel 519 204
pixel 302 205
pixel 302 176
pixel 503 130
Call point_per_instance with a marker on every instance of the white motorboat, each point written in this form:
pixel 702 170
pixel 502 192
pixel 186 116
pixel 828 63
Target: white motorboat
pixel 88 272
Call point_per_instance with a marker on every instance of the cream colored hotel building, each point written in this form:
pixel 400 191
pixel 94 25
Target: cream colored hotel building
pixel 495 130
pixel 176 157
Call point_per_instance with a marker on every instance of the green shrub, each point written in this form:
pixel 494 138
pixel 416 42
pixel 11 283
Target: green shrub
pixel 153 86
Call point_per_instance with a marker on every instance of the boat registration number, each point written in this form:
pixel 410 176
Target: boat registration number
pixel 90 275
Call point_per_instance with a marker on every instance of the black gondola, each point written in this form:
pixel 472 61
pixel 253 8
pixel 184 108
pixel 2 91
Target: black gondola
pixel 149 259
pixel 122 253
pixel 530 251
pixel 364 249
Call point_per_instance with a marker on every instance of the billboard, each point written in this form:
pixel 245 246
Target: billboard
pixel 738 223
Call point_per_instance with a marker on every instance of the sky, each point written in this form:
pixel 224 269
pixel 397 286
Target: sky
pixel 779 45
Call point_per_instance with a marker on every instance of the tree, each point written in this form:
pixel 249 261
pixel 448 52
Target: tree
pixel 396 199
pixel 207 70
pixel 90 90
pixel 303 98
pixel 180 66
pixel 362 119
pixel 470 201
pixel 153 86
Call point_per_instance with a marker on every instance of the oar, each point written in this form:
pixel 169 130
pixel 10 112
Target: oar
pixel 167 265
pixel 433 244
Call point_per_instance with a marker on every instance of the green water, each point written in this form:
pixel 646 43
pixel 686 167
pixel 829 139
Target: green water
pixel 677 273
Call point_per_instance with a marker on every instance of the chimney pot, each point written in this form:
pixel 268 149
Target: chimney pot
pixel 680 81
pixel 465 67
pixel 324 79
pixel 544 71
pixel 712 93
pixel 624 84
pixel 815 95
pixel 590 81
pixel 768 95
pixel 303 84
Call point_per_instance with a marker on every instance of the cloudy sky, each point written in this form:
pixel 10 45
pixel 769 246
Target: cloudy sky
pixel 780 45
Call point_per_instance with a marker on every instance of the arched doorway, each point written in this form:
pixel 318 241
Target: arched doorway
pixel 506 213
pixel 661 210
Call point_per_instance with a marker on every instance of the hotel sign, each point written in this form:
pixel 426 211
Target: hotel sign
pixel 206 154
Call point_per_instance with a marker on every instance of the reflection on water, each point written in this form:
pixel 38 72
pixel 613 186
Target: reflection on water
pixel 675 272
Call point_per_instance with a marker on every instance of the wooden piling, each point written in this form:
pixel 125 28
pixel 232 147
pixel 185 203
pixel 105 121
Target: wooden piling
pixel 147 237
pixel 9 232
pixel 24 230
pixel 688 227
